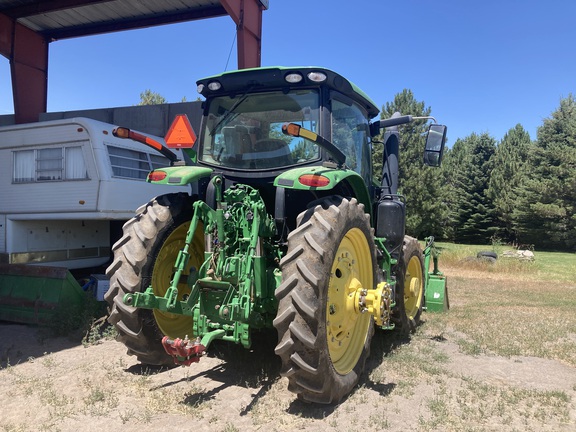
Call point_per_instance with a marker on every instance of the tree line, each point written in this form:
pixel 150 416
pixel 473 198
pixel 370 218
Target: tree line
pixel 516 191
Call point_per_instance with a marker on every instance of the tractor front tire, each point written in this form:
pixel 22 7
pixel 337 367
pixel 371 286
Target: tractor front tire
pixel 409 287
pixel 145 256
pixel 322 342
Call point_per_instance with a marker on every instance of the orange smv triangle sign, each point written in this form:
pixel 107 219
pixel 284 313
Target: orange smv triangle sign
pixel 180 134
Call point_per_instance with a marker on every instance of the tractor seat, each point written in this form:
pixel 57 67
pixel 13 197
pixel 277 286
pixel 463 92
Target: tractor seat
pixel 269 153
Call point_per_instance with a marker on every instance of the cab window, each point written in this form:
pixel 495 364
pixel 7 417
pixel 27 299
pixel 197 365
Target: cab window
pixel 350 134
pixel 245 131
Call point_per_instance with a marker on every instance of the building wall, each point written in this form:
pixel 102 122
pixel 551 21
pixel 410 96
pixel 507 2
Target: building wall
pixel 152 119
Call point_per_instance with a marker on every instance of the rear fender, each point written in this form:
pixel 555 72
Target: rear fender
pixel 179 175
pixel 291 179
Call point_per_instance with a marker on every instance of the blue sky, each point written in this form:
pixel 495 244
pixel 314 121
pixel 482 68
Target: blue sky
pixel 482 66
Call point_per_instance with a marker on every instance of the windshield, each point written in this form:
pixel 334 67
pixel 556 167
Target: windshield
pixel 245 132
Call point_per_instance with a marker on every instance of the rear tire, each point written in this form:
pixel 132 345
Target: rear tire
pixel 323 344
pixel 145 256
pixel 409 287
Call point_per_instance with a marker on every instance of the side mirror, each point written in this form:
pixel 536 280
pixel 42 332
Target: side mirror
pixel 435 140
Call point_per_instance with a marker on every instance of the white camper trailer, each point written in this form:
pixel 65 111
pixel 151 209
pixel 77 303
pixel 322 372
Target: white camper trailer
pixel 66 187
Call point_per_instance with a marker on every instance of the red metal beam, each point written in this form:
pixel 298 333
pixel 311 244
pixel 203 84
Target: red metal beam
pixel 28 55
pixel 247 14
pixel 6 31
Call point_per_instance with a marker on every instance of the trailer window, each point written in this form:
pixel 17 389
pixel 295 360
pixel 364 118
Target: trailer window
pixel 49 164
pixel 133 164
pixel 24 170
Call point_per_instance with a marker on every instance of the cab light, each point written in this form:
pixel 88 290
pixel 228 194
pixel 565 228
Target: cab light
pixel 317 76
pixel 293 78
pixel 155 176
pixel 214 85
pixel 314 180
pixel 200 88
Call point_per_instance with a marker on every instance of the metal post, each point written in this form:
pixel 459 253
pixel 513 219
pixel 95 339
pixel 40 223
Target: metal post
pixel 247 14
pixel 27 52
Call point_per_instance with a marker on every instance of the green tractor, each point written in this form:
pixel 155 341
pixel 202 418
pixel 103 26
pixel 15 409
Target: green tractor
pixel 283 228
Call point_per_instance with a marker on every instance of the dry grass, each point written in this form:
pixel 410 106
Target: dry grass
pixel 511 316
pixel 502 359
pixel 493 325
pixel 547 266
pixel 502 313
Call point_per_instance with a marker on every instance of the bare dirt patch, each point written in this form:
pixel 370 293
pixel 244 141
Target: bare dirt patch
pixel 434 382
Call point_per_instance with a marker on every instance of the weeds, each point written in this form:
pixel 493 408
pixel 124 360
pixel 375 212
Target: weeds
pixel 230 428
pixel 99 331
pixel 126 416
pixel 75 320
pixel 11 427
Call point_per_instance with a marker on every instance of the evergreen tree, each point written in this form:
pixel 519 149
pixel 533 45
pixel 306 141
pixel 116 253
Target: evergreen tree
pixel 546 210
pixel 148 97
pixel 454 177
pixel 509 169
pixel 377 155
pixel 421 185
pixel 472 210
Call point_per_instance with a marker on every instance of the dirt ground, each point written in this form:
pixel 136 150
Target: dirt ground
pixel 60 384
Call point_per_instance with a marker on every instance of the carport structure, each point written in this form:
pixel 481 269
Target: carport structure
pixel 28 26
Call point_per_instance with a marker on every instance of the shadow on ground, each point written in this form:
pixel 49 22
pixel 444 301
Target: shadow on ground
pixel 20 343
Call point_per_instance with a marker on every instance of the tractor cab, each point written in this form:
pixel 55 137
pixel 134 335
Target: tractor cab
pixel 244 113
pixel 244 137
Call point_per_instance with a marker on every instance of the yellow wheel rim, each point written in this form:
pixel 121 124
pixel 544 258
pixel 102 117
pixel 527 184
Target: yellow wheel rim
pixel 174 325
pixel 413 288
pixel 346 329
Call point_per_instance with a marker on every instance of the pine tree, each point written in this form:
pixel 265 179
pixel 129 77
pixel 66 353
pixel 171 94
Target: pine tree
pixel 472 210
pixel 546 210
pixel 509 169
pixel 453 176
pixel 377 157
pixel 421 185
pixel 148 97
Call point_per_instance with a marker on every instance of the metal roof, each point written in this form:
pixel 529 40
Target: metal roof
pixel 28 26
pixel 60 19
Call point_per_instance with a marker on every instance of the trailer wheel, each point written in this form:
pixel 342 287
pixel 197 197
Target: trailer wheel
pixel 144 257
pixel 323 341
pixel 409 287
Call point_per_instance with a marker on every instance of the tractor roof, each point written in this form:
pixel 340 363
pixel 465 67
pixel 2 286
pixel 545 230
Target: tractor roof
pixel 259 79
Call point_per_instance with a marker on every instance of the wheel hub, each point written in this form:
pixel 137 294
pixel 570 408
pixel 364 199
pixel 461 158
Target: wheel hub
pixel 413 287
pixel 376 302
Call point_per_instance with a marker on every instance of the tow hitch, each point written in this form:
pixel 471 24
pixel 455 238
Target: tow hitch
pixel 183 351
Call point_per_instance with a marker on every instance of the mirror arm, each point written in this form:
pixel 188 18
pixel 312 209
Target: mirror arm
pixel 425 118
pixel 395 120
